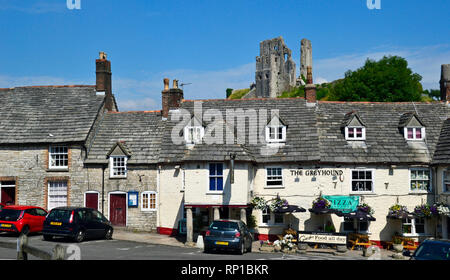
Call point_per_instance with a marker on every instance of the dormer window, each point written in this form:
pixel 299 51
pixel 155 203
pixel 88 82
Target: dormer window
pixel 276 134
pixel 118 166
pixel 276 130
pixel 414 133
pixel 413 128
pixel 118 160
pixel 193 134
pixel 355 133
pixel 355 129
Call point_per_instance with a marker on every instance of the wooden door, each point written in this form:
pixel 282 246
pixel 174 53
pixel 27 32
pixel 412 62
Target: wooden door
pixel 92 200
pixel 118 210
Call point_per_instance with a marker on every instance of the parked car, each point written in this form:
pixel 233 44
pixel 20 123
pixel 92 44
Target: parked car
pixel 228 235
pixel 432 250
pixel 78 223
pixel 22 219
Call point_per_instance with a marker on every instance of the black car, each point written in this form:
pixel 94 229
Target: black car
pixel 76 223
pixel 432 250
pixel 228 235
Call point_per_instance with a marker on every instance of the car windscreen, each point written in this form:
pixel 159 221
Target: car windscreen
pixel 10 214
pixel 224 225
pixel 59 215
pixel 434 251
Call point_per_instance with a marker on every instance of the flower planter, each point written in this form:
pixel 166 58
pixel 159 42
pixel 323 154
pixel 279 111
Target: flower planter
pixel 397 248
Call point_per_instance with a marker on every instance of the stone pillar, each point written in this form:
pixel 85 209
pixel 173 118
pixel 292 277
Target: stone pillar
pixel 216 213
pixel 444 227
pixel 244 215
pixel 189 226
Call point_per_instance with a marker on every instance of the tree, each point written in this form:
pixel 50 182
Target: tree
pixel 386 80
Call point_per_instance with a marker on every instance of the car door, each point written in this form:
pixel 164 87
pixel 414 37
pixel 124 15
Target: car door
pixel 98 224
pixel 40 218
pixel 87 222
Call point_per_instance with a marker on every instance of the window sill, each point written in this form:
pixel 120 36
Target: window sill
pixel 117 177
pixel 362 193
pixel 419 192
pixel 271 225
pixel 274 187
pixel 214 193
pixel 148 210
pixel 58 169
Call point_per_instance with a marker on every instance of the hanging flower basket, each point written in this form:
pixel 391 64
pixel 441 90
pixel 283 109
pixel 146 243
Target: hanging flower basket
pixel 398 211
pixel 426 211
pixel 273 204
pixel 366 208
pixel 321 203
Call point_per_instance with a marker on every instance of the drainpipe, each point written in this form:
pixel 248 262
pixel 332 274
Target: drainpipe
pixel 103 188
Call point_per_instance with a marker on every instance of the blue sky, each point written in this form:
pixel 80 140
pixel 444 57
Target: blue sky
pixel 211 44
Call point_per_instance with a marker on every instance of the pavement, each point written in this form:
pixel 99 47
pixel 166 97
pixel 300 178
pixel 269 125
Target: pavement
pixel 160 239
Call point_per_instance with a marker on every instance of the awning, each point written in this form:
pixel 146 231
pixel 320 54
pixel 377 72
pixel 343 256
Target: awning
pixel 400 215
pixel 358 215
pixel 323 211
pixel 290 209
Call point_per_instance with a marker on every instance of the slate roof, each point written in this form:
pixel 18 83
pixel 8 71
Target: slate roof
pixel 385 142
pixel 315 134
pixel 32 114
pixel 442 154
pixel 301 143
pixel 140 132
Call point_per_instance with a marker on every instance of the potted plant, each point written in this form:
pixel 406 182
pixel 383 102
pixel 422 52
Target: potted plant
pixel 397 210
pixel 397 245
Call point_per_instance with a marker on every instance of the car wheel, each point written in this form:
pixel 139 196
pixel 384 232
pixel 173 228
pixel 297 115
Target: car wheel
pixel 80 236
pixel 108 234
pixel 249 249
pixel 25 230
pixel 206 250
pixel 242 249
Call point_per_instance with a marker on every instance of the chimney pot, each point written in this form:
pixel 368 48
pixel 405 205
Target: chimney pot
pixel 175 84
pixel 166 84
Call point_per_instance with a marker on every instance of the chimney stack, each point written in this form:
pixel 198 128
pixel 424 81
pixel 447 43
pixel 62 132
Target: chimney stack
pixel 310 88
pixel 103 80
pixel 445 82
pixel 171 97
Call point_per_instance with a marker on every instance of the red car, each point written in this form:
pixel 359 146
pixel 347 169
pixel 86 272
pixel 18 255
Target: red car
pixel 22 219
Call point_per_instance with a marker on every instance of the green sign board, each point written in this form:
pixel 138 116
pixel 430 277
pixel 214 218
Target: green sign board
pixel 343 203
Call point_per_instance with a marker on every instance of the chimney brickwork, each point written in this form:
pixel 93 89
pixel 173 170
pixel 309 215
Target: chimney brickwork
pixel 103 80
pixel 171 97
pixel 445 82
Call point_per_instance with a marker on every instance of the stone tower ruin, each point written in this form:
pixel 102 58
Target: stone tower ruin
pixel 275 68
pixel 305 57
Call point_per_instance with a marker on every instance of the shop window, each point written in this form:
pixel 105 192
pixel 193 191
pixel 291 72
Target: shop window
pixel 269 218
pixel 361 226
pixel 412 227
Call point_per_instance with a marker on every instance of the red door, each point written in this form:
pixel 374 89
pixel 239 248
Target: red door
pixel 92 200
pixel 117 209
